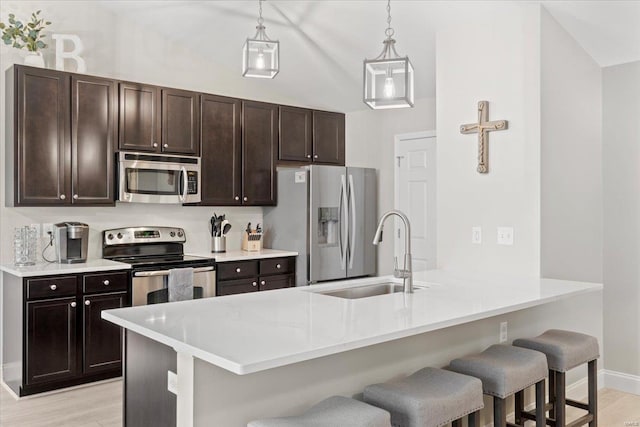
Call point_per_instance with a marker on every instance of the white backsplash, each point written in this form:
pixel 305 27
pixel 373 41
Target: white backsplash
pixel 194 219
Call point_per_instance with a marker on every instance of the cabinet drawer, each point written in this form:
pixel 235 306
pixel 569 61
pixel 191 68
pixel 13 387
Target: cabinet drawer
pixel 105 282
pixel 237 270
pixel 232 287
pixel 51 287
pixel 276 282
pixel 277 266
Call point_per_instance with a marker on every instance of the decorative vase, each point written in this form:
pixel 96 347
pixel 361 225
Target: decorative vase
pixel 34 59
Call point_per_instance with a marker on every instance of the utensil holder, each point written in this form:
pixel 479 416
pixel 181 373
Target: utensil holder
pixel 25 246
pixel 219 244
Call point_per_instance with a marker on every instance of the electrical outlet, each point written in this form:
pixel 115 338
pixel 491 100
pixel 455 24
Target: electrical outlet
pixel 47 228
pixel 503 332
pixel 505 236
pixel 172 382
pixel 476 235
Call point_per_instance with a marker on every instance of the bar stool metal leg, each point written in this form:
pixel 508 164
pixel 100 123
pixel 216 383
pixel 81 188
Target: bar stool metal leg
pixel 540 410
pixel 473 420
pixel 499 412
pixel 592 369
pixel 552 393
pixel 560 402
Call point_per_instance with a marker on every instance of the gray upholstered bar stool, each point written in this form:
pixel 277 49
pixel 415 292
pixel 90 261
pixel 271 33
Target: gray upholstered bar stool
pixel 336 411
pixel 504 371
pixel 565 350
pixel 429 398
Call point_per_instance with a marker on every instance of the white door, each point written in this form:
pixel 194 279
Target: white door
pixel 415 195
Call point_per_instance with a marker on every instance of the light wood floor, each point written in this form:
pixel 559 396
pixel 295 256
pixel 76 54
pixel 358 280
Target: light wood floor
pixel 101 405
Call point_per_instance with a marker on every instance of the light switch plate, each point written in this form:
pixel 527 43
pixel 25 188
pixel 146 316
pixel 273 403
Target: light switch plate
pixel 476 235
pixel 301 177
pixel 505 236
pixel 172 382
pixel 504 336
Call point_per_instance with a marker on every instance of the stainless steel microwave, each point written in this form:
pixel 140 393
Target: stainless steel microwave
pixel 158 178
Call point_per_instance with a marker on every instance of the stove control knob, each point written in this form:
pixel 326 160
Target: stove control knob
pixel 119 235
pixel 172 234
pixel 180 234
pixel 110 236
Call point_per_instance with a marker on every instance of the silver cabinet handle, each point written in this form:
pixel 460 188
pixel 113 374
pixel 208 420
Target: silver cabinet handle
pixel 278 266
pixel 53 287
pixel 238 270
pixel 62 197
pixel 308 156
pixel 75 197
pixel 73 304
pixel 315 156
pixel 245 198
pixel 105 282
pixel 237 198
pixel 262 282
pixel 166 145
pixel 255 283
pixel 155 144
pixel 166 272
pixel 87 302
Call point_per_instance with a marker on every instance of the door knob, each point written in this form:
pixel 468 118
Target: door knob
pixel 278 266
pixel 237 197
pixel 73 304
pixel 238 270
pixel 155 144
pixel 75 197
pixel 255 284
pixel 308 156
pixel 315 156
pixel 245 198
pixel 62 197
pixel 165 145
pixel 53 287
pixel 262 282
pixel 105 282
pixel 87 302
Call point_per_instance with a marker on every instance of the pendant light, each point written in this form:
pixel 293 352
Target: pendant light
pixel 388 78
pixel 260 54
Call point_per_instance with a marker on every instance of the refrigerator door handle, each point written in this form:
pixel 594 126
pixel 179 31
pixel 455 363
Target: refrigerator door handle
pixel 343 208
pixel 352 205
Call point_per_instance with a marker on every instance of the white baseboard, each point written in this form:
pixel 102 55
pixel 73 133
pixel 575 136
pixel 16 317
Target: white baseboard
pixel 622 382
pixel 579 390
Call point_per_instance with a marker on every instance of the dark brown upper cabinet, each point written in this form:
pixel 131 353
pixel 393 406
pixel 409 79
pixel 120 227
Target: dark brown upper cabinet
pixel 328 137
pixel 158 120
pixel 259 153
pixel 93 136
pixel 180 122
pixel 295 134
pixel 139 117
pixel 308 136
pixel 64 131
pixel 41 128
pixel 221 144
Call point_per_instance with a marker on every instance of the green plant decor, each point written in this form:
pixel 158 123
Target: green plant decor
pixel 20 35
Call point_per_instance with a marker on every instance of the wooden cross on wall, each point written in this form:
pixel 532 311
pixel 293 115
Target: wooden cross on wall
pixel 482 128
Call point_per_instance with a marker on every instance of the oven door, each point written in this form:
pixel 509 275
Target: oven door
pixel 147 178
pixel 151 287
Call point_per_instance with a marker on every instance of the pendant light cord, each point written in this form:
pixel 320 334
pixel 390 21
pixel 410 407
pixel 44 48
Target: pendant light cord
pixel 389 31
pixel 260 20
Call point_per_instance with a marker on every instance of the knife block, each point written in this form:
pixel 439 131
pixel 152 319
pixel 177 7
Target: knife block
pixel 252 242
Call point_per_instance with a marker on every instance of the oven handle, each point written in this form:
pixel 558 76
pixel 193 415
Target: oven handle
pixel 185 183
pixel 166 272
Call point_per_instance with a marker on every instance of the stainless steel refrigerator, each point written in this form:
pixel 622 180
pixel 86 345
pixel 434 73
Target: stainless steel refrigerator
pixel 328 215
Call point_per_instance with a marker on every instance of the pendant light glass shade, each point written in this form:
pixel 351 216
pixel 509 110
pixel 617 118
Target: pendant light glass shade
pixel 260 54
pixel 388 78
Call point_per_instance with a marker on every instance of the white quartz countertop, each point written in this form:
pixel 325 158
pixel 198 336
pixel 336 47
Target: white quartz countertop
pixel 261 330
pixel 45 269
pixel 246 255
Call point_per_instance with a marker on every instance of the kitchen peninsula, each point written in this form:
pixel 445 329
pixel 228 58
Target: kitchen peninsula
pixel 276 353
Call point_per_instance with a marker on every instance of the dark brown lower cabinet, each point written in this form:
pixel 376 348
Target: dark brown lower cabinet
pixel 51 340
pixel 102 341
pixel 239 277
pixel 66 342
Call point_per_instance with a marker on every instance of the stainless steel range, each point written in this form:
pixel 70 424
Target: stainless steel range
pixel 152 252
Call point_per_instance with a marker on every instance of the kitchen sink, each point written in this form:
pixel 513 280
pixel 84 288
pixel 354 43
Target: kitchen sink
pixel 369 290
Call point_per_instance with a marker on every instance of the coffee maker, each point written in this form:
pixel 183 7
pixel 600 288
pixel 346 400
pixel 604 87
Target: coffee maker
pixel 72 242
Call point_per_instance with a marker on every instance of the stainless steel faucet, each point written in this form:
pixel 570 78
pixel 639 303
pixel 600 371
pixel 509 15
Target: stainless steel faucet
pixel 406 273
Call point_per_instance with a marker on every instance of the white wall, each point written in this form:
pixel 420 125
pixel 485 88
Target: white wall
pixel 489 52
pixel 621 170
pixel 369 136
pixel 571 157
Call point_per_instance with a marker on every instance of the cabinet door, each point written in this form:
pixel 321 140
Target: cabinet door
pixel 220 136
pixel 102 340
pixel 328 138
pixel 259 146
pixel 232 287
pixel 268 283
pixel 180 122
pixel 295 134
pixel 139 117
pixel 43 147
pixel 93 135
pixel 51 352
